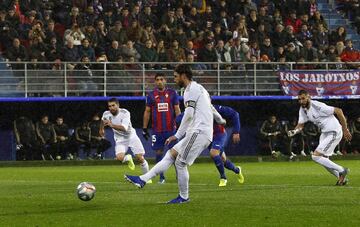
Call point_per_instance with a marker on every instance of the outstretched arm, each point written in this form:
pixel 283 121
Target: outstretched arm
pixel 339 113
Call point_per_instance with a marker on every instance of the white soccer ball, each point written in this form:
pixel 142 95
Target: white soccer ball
pixel 85 191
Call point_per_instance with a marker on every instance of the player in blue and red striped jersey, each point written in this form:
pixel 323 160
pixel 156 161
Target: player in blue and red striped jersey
pixel 163 105
pixel 218 144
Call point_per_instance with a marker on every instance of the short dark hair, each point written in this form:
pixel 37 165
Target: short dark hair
pixel 115 100
pixel 184 69
pixel 159 75
pixel 303 92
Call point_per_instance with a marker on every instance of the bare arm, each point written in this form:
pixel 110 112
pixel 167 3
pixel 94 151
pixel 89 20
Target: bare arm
pixel 77 135
pixel 146 117
pixel 38 133
pixel 299 127
pixel 17 136
pixel 177 110
pixel 116 127
pixel 339 113
pixel 354 129
pixel 102 130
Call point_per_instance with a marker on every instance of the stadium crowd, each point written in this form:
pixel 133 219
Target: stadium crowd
pixel 170 31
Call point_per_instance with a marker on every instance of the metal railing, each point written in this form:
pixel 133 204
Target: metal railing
pixel 49 79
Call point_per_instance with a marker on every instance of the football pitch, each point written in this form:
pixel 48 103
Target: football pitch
pixel 274 194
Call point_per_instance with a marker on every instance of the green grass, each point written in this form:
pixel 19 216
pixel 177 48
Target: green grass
pixel 274 194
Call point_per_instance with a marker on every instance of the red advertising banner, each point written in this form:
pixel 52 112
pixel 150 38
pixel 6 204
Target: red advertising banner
pixel 320 83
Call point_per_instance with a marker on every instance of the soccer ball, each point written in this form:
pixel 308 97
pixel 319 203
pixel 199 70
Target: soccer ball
pixel 85 191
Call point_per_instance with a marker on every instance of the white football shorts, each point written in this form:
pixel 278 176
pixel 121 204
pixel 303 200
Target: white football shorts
pixel 191 146
pixel 328 142
pixel 122 144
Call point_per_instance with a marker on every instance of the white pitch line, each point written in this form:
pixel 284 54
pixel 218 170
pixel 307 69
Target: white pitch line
pixel 191 184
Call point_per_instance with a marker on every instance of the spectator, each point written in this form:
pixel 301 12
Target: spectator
pixel 355 128
pixel 197 67
pixel 265 19
pixel 162 53
pixel 91 34
pixel 338 35
pixel 17 52
pixel 279 53
pixel 255 50
pixel 311 135
pixel 291 53
pixel 309 53
pixel 296 143
pixel 252 23
pixel 53 50
pixel 304 34
pixel 74 17
pixel 293 21
pixel 239 52
pixel 225 21
pixel 277 18
pixel 47 137
pixel 84 76
pixel 102 39
pixel 7 33
pixel 279 36
pixel 82 140
pixel 180 36
pixel 271 131
pixel 27 146
pixel 321 37
pixel 208 54
pixel 118 33
pixel 317 19
pixel 99 142
pixel 125 17
pixel 86 50
pixel 90 16
pixel 37 31
pixel 222 53
pixel 50 32
pixel 267 49
pixel 62 138
pixel 38 48
pixel 290 35
pixel 135 32
pixel 147 17
pixel 108 17
pixel 150 34
pixel 148 53
pixel 349 45
pixel 70 53
pixel 175 52
pixel 114 52
pixel 128 51
pixel 75 33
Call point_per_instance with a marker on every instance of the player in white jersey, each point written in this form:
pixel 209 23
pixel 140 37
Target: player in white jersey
pixel 332 132
pixel 196 126
pixel 124 135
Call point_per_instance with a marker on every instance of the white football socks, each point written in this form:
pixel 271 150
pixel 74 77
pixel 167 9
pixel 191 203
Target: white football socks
pixel 183 178
pixel 333 172
pixel 160 167
pixel 327 163
pixel 144 167
pixel 126 158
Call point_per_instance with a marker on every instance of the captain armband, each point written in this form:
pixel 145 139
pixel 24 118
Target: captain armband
pixel 190 103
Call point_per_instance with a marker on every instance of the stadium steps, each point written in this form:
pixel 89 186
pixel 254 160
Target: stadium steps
pixel 334 20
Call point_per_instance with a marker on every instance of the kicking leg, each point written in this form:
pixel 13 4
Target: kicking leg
pixel 236 169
